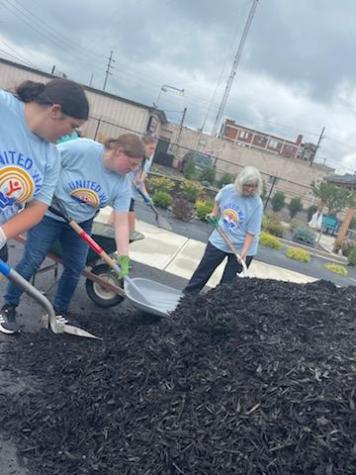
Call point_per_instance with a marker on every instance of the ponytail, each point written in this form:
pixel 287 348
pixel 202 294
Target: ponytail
pixel 27 91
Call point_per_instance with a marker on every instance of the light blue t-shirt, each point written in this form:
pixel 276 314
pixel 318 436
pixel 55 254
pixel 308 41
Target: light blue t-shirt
pixel 136 177
pixel 29 165
pixel 85 184
pixel 239 215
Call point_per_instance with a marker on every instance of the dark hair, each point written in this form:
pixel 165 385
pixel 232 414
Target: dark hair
pixel 131 145
pixel 68 94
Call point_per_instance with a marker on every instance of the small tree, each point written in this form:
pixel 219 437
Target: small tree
pixel 278 201
pixel 294 206
pixel 189 169
pixel 226 179
pixel 334 197
pixel 207 176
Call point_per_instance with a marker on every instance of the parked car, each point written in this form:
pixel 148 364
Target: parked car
pixel 201 160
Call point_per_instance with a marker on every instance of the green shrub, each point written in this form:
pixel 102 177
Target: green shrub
pixel 162 199
pixel 203 207
pixel 191 190
pixel 298 254
pixel 310 211
pixel 271 223
pixel 346 246
pixel 351 258
pixel 294 206
pixel 182 209
pixel 294 224
pixel 304 235
pixel 269 240
pixel 338 269
pixel 189 169
pixel 225 179
pixel 160 183
pixel 207 176
pixel 278 201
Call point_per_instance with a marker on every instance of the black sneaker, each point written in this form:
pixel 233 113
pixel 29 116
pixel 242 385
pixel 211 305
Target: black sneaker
pixel 8 323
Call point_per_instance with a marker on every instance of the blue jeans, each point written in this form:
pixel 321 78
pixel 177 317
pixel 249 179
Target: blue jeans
pixel 40 240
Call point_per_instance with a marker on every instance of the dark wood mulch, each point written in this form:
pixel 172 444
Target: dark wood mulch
pixel 257 377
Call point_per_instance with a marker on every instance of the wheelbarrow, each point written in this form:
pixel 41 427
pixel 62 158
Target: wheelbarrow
pixel 51 321
pixel 145 294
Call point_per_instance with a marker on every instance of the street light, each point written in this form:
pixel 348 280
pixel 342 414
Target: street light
pixel 165 88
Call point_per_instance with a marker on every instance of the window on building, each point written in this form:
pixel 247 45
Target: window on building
pixel 243 134
pixel 273 143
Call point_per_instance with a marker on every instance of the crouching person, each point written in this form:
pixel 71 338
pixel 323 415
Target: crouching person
pixel 92 176
pixel 238 210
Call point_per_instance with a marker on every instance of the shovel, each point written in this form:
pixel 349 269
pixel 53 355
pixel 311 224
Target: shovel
pixel 93 245
pixel 161 222
pixel 57 326
pixel 233 250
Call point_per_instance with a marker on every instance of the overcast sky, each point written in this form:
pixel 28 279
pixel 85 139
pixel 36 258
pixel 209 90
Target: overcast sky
pixel 296 75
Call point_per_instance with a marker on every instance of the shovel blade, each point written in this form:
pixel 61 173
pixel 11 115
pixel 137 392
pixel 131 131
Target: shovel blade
pixel 163 223
pixel 72 330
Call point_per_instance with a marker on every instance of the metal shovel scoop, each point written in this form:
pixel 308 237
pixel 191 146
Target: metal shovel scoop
pixel 51 321
pixel 233 250
pixel 161 222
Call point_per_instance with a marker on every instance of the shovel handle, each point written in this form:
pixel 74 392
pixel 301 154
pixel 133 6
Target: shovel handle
pixel 232 248
pixel 86 238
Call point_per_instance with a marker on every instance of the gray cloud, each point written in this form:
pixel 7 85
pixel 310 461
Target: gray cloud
pixel 297 53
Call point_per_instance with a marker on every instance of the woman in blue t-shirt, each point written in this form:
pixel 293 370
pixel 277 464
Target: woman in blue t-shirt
pixel 238 210
pixel 31 121
pixel 92 176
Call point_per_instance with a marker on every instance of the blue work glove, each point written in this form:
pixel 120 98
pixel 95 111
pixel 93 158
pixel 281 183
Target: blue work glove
pixel 212 220
pixel 124 264
pixel 148 200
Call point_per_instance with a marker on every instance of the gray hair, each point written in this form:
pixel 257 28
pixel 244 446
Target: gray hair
pixel 249 176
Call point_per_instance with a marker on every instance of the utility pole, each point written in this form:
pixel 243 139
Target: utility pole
pixel 231 78
pixel 321 136
pixel 108 69
pixel 179 135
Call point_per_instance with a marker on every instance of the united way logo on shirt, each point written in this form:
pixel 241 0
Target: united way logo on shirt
pixel 16 186
pixel 84 195
pixel 88 192
pixel 232 217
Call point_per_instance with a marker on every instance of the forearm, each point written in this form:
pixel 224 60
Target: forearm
pixel 25 220
pixel 121 224
pixel 246 245
pixel 216 210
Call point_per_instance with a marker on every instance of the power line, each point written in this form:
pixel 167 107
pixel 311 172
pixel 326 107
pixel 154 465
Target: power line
pixel 40 28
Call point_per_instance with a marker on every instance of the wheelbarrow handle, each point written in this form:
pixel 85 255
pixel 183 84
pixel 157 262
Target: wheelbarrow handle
pixel 232 249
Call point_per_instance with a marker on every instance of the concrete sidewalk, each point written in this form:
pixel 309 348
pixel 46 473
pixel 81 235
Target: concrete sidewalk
pixel 179 255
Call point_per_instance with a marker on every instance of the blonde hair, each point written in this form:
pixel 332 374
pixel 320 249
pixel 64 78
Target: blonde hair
pixel 249 176
pixel 130 144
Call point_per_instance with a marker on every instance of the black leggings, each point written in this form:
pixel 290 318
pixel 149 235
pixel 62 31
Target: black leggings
pixel 210 261
pixel 132 206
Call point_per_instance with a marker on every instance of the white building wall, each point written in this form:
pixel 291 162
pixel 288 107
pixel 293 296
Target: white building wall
pixel 116 116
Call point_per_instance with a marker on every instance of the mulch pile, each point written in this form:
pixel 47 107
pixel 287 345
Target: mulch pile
pixel 258 377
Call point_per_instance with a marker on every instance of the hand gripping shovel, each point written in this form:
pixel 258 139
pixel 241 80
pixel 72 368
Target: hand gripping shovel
pixel 59 210
pixel 233 250
pixel 51 321
pixel 161 222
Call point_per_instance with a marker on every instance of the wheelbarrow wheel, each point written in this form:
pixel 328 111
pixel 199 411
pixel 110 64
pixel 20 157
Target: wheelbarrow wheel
pixel 98 294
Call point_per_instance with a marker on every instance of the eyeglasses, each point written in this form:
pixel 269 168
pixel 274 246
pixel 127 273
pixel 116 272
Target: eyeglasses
pixel 249 185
